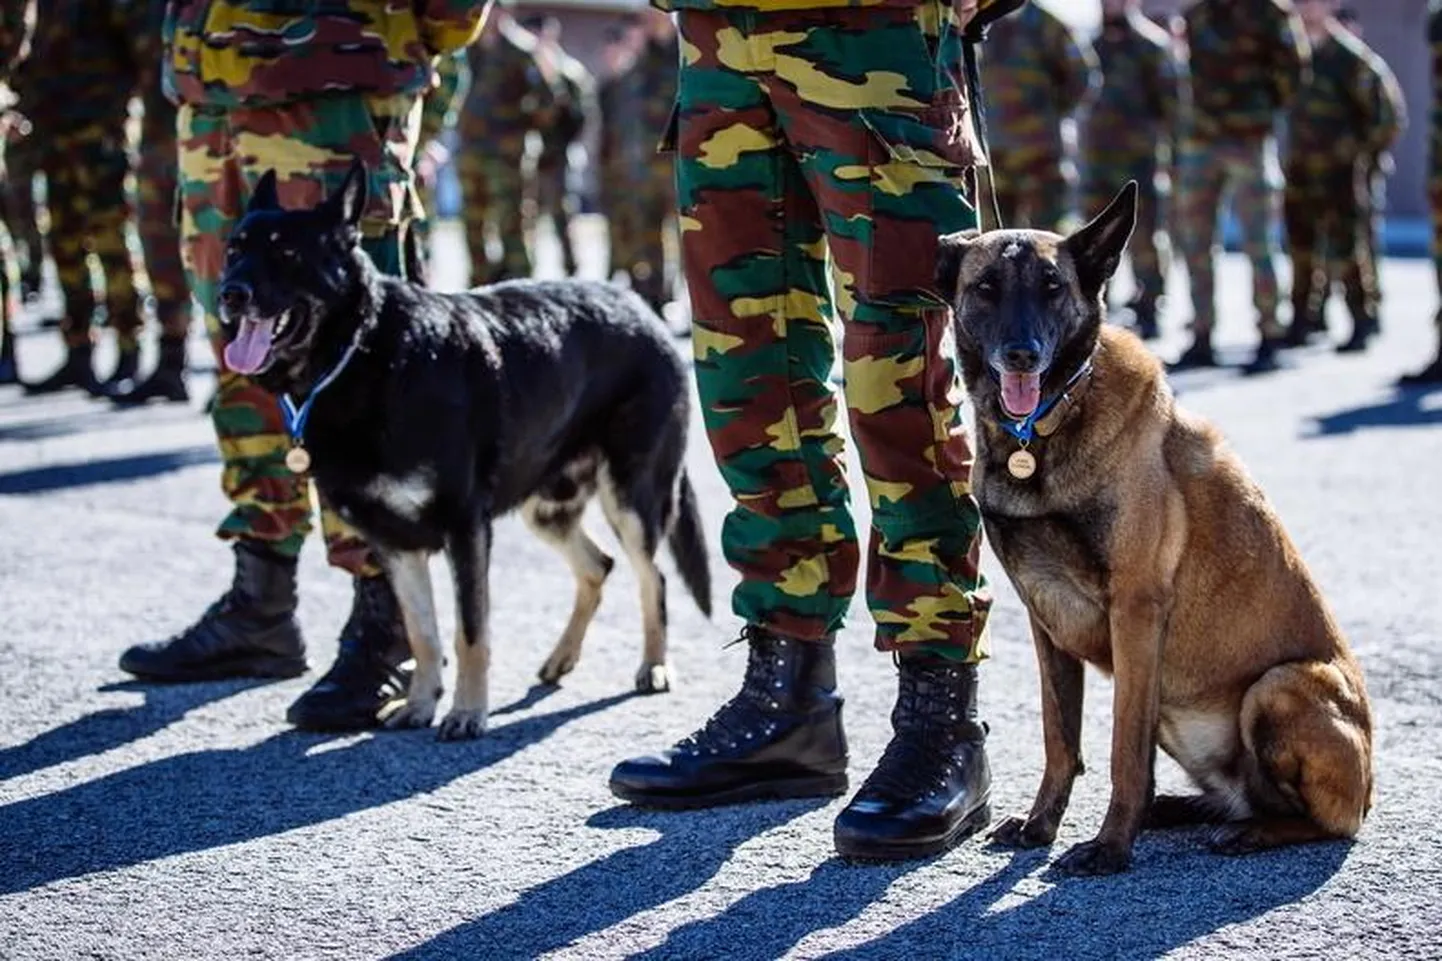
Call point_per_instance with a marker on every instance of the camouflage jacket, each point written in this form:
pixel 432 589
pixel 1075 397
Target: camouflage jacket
pixel 229 53
pixel 648 94
pixel 443 101
pixel 1138 110
pixel 82 67
pixel 575 103
pixel 508 95
pixel 1350 108
pixel 772 6
pixel 17 31
pixel 1036 72
pixel 1249 59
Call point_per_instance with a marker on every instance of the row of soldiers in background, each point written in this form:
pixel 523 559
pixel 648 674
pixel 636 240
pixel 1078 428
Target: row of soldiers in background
pixel 69 120
pixel 1189 108
pixel 524 106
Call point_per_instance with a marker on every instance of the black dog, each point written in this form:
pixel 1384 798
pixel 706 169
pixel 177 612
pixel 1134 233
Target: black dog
pixel 423 416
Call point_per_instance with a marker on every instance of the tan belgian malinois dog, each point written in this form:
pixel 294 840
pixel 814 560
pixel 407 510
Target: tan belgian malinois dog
pixel 1140 545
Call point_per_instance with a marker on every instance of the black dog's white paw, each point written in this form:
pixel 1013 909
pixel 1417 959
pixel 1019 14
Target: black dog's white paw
pixel 653 679
pixel 461 725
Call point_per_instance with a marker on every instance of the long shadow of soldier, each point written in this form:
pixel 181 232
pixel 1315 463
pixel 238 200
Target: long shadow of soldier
pixel 207 799
pixel 1405 408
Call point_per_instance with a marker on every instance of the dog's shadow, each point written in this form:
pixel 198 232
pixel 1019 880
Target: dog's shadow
pixel 208 799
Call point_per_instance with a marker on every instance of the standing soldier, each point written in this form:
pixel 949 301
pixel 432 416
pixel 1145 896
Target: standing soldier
pixel 348 84
pixel 17 29
pixel 22 215
pixel 1038 72
pixel 650 95
pixel 806 129
pixel 1130 133
pixel 1348 116
pixel 76 91
pixel 453 74
pixel 156 185
pixel 506 97
pixel 1248 61
pixel 613 180
pixel 1432 373
pixel 573 112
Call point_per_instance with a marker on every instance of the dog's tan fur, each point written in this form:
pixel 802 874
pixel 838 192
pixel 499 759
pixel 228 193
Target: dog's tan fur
pixel 1142 547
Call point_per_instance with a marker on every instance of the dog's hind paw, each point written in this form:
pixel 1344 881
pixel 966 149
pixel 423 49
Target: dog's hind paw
pixel 557 666
pixel 1245 838
pixel 653 679
pixel 409 714
pixel 1023 833
pixel 1095 857
pixel 462 726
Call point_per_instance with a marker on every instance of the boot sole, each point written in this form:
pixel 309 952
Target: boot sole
pixel 889 852
pixel 276 668
pixel 824 785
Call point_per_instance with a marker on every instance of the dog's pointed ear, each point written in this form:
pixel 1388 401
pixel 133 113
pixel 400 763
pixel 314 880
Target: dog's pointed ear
pixel 349 202
pixel 950 251
pixel 265 195
pixel 1096 249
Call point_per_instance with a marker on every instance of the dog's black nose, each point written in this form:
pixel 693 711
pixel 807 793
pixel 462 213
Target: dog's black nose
pixel 1022 357
pixel 235 297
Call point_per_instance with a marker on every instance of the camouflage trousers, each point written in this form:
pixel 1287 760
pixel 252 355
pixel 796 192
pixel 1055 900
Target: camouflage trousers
pixel 555 201
pixel 1150 247
pixel 801 133
pixel 1032 189
pixel 647 221
pixel 85 172
pixel 22 217
pixel 1328 215
pixel 1211 173
pixel 156 188
pixel 492 191
pixel 310 144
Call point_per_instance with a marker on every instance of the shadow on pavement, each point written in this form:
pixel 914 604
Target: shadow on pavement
pixel 1403 409
pixel 112 727
pixel 37 480
pixel 1176 892
pixel 207 799
pixel 692 847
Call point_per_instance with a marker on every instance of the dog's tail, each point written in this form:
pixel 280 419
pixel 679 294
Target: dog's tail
pixel 688 546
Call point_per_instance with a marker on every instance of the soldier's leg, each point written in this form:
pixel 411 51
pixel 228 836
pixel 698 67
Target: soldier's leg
pixel 1010 186
pixel 1149 251
pixel 475 205
pixel 1301 217
pixel 507 185
pixel 67 175
pixel 1352 255
pixel 107 229
pixel 22 216
pixel 1258 206
pixel 1432 372
pixel 1052 198
pixel 157 186
pixel 1201 176
pixel 9 306
pixel 653 203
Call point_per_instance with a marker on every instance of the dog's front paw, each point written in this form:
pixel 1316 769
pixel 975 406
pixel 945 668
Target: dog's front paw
pixel 557 666
pixel 1237 839
pixel 1023 833
pixel 461 725
pixel 653 679
pixel 1095 857
pixel 413 712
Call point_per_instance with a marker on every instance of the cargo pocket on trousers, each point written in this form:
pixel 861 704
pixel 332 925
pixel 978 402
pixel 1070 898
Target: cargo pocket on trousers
pixel 916 166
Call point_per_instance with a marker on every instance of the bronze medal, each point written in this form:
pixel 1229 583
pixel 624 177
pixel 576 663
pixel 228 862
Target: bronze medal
pixel 1021 464
pixel 298 460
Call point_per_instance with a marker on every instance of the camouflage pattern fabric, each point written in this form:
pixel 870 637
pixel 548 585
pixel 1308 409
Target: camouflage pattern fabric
pixel 870 168
pixel 612 185
pixel 75 89
pixel 21 213
pixel 438 114
pixel 574 109
pixel 1348 114
pixel 1037 72
pixel 507 95
pixel 650 95
pixel 1248 59
pixel 310 144
pixel 17 32
pixel 1129 134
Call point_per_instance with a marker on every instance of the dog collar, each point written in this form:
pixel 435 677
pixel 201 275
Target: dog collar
pixel 298 458
pixel 1048 417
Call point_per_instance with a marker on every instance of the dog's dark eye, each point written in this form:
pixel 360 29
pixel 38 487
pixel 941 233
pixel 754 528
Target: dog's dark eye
pixel 1053 286
pixel 986 288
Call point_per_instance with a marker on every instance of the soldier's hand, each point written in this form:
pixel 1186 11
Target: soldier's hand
pixel 965 11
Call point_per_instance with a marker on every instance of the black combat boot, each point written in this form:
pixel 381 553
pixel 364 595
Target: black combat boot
pixel 366 675
pixel 779 737
pixel 1198 355
pixel 166 382
pixel 1266 359
pixel 9 372
pixel 250 632
pixel 1431 374
pixel 932 786
pixel 76 371
pixel 1364 328
pixel 126 367
pixel 1144 318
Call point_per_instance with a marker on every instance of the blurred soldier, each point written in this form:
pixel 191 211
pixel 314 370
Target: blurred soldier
pixel 156 183
pixel 349 85
pixel 1038 72
pixel 442 106
pixel 507 95
pixel 623 41
pixel 17 29
pixel 76 91
pixel 21 213
pixel 1432 373
pixel 574 109
pixel 650 95
pixel 1130 134
pixel 1248 61
pixel 1349 115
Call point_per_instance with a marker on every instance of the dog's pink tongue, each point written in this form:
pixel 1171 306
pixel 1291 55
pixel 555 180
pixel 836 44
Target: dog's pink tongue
pixel 248 351
pixel 1020 393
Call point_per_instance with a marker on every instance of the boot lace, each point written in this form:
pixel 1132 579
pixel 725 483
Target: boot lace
pixel 921 757
pixel 751 711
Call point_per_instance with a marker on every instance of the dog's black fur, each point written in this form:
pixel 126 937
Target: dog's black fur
pixel 457 408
